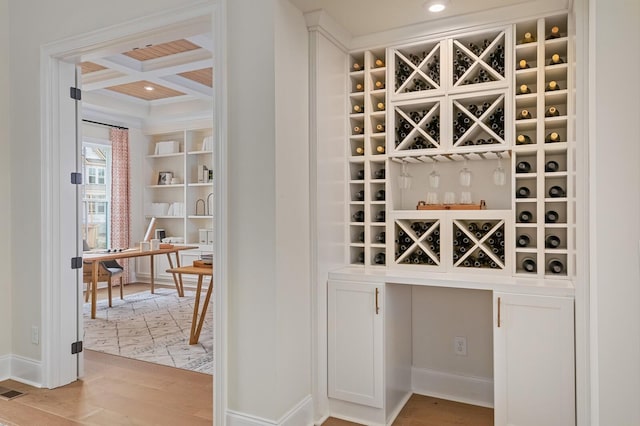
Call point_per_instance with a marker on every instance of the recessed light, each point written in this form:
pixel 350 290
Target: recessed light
pixel 148 88
pixel 436 6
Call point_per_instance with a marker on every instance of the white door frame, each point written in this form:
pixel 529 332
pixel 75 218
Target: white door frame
pixel 52 57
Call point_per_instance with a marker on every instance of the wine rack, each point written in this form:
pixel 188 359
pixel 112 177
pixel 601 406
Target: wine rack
pixel 417 68
pixel 478 59
pixel 542 82
pixel 451 241
pixel 417 126
pixel 478 120
pixel 367 159
pixel 417 242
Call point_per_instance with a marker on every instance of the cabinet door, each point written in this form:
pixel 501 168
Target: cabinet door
pixel 355 321
pixel 534 360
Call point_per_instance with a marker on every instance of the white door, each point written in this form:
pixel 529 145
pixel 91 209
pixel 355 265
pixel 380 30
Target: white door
pixel 355 333
pixel 534 374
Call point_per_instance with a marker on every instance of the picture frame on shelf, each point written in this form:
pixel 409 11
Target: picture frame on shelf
pixel 164 178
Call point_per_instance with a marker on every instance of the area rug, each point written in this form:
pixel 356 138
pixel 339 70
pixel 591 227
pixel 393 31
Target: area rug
pixel 153 328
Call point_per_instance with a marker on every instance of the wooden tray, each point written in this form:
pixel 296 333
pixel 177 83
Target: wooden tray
pixel 202 264
pixel 424 206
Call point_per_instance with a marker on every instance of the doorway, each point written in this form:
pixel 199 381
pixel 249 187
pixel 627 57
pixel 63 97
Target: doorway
pixel 59 367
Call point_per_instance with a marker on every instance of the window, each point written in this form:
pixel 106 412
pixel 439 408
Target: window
pixel 96 197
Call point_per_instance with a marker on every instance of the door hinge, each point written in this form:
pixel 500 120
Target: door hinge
pixel 76 178
pixel 76 347
pixel 75 93
pixel 76 262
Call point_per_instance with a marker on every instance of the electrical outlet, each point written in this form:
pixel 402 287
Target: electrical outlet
pixel 460 345
pixel 35 335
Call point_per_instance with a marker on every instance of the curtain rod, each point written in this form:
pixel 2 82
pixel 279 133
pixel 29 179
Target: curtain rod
pixel 105 124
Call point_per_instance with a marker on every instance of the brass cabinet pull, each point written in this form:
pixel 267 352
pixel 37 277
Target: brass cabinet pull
pixel 498 312
pixel 377 304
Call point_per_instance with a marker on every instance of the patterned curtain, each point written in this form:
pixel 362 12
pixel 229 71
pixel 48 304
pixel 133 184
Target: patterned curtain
pixel 120 194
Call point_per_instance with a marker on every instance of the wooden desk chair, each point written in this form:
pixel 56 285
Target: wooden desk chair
pixel 108 270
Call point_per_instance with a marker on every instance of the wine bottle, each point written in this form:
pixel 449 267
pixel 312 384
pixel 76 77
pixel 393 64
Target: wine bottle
pixel 556 59
pixel 551 216
pixel 552 137
pixel 359 87
pixel 379 127
pixel 361 257
pixel 380 216
pixel 554 33
pixel 379 174
pixel 379 84
pixel 523 89
pixel 523 240
pixel 358 216
pixel 359 196
pixel 380 195
pixel 552 112
pixel 361 237
pixel 523 64
pixel 551 166
pixel 552 241
pixel 380 238
pixel 357 130
pixel 524 115
pixel 379 259
pixel 556 192
pixel 358 109
pixel 523 167
pixel 529 264
pixel 552 85
pixel 359 150
pixel 528 38
pixel 525 216
pixel 555 266
pixel 379 63
pixel 360 175
pixel 356 66
pixel 523 140
pixel 380 106
pixel 486 227
pixel 380 149
pixel 523 192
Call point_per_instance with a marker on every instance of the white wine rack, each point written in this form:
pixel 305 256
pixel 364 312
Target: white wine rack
pixel 549 234
pixel 367 159
pixel 475 96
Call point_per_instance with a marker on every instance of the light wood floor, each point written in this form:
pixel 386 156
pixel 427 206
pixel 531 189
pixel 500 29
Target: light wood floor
pixel 427 411
pixel 116 391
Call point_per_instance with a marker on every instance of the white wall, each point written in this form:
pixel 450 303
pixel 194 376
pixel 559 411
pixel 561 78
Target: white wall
pixel 5 185
pixel 34 23
pixel 439 315
pixel 615 159
pixel 293 275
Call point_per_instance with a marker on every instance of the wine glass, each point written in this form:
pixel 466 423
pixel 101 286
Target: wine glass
pixel 404 180
pixel 465 175
pixel 499 174
pixel 434 177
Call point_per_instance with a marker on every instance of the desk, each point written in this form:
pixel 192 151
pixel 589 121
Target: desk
pixel 200 272
pixel 96 258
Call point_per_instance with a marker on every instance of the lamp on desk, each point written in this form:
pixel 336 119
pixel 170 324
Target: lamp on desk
pixel 150 230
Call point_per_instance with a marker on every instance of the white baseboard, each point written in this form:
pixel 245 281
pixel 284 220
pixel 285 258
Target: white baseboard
pixel 301 414
pixel 454 387
pixel 5 367
pixel 27 371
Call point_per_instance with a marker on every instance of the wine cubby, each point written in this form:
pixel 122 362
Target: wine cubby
pixel 417 126
pixel 543 142
pixel 478 120
pixel 417 242
pixel 479 244
pixel 478 59
pixel 367 157
pixel 417 68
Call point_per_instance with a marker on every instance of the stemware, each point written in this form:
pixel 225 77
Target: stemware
pixel 434 177
pixel 404 180
pixel 465 175
pixel 499 174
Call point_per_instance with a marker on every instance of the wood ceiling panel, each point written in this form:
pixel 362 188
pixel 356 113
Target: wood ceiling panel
pixel 89 67
pixel 203 76
pixel 161 50
pixel 138 90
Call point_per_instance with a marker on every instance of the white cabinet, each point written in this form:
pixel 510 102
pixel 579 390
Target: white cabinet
pixel 355 330
pixel 534 374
